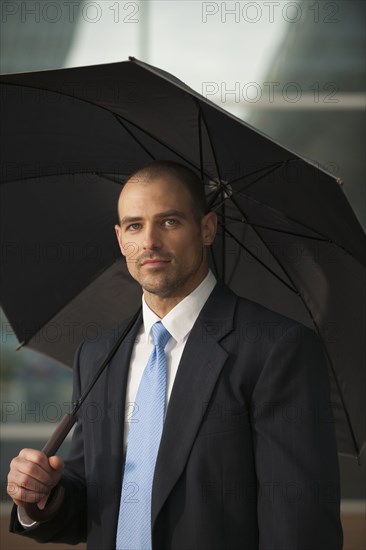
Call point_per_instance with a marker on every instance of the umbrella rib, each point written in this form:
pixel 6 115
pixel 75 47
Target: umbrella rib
pixel 107 177
pixel 293 289
pixel 169 147
pixel 297 291
pixel 242 220
pixel 202 177
pixel 237 259
pixel 107 360
pixel 262 240
pixel 214 262
pixel 223 208
pixel 209 138
pixel 119 120
pixel 51 175
pixel 223 259
pixel 269 169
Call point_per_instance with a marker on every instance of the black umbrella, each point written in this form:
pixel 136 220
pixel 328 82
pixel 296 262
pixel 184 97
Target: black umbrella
pixel 287 237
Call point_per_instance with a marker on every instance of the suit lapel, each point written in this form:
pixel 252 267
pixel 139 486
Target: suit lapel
pixel 200 366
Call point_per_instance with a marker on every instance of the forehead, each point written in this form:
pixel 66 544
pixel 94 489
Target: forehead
pixel 160 193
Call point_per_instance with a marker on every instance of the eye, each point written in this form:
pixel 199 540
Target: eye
pixel 171 222
pixel 133 227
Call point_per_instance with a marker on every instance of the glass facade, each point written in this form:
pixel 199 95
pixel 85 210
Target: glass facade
pixel 319 74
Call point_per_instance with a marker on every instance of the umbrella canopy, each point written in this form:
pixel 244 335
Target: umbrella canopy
pixel 287 235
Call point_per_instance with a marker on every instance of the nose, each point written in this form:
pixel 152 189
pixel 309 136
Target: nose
pixel 151 240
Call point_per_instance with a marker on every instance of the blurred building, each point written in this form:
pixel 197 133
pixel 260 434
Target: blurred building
pixel 36 35
pixel 317 80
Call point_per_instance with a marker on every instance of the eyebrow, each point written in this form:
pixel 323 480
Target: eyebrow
pixel 166 214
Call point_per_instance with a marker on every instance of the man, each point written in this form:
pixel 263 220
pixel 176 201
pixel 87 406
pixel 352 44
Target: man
pixel 247 456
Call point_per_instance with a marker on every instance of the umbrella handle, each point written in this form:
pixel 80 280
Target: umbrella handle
pixel 30 511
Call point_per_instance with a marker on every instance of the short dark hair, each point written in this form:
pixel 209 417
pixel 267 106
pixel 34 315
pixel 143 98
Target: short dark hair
pixel 183 174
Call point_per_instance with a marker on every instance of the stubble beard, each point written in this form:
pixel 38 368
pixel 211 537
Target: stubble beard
pixel 170 282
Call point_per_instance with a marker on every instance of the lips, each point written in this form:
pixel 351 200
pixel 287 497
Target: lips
pixel 155 262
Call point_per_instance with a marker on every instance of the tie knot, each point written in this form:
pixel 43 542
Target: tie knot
pixel 160 334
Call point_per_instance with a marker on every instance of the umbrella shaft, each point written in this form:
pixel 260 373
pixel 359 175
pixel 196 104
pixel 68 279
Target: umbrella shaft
pixel 62 430
pixel 59 435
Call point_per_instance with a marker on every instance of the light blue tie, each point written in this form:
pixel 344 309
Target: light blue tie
pixel 134 522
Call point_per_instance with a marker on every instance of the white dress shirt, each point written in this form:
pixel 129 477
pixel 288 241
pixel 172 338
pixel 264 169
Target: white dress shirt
pixel 179 322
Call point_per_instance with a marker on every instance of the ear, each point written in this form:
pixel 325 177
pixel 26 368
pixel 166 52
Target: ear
pixel 118 231
pixel 209 228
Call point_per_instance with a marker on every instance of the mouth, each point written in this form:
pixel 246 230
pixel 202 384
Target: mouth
pixel 155 262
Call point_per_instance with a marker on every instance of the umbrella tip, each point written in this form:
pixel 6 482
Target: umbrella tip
pixel 20 345
pixel 131 58
pixel 340 181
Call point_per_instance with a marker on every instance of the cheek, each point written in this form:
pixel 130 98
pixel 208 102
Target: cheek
pixel 122 246
pixel 129 249
pixel 188 247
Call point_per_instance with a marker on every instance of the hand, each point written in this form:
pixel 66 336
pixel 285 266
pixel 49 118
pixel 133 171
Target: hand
pixel 32 477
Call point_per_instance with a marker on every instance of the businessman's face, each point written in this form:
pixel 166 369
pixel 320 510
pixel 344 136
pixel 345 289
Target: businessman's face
pixel 164 244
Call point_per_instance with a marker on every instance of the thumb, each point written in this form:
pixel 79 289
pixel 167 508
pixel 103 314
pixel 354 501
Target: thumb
pixel 56 463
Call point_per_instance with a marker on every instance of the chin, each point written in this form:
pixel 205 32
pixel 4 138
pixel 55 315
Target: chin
pixel 158 290
pixel 160 286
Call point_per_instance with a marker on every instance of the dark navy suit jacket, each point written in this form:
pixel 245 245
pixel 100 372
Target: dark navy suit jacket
pixel 248 456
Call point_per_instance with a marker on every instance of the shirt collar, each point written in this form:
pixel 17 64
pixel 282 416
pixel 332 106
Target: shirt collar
pixel 180 320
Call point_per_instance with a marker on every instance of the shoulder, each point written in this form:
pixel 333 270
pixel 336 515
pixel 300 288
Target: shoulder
pixel 251 317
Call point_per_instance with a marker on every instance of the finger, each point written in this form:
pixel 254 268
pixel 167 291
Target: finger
pixel 30 483
pixel 38 457
pixel 22 496
pixel 22 467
